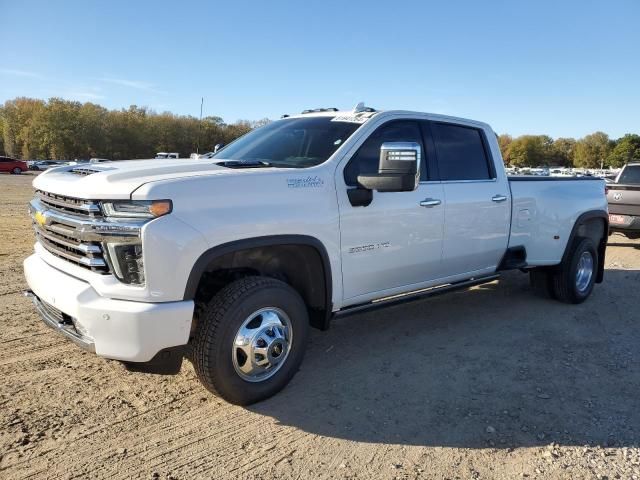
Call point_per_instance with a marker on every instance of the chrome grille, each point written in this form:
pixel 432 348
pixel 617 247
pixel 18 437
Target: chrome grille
pixel 70 205
pixel 60 235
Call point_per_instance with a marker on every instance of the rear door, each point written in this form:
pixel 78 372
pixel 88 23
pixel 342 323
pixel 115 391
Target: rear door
pixel 477 199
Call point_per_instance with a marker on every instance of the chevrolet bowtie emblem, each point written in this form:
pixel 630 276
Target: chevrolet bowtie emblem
pixel 40 218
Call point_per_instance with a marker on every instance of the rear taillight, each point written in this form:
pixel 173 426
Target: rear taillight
pixel 606 189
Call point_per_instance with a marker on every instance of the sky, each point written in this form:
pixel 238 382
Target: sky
pixel 562 68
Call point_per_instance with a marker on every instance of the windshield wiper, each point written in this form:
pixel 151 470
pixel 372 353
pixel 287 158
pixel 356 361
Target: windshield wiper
pixel 244 163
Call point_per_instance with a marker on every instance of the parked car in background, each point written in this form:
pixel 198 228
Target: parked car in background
pixel 11 165
pixel 45 165
pixel 99 160
pixel 624 201
pixel 167 155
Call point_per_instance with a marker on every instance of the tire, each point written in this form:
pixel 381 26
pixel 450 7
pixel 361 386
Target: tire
pixel 569 286
pixel 541 281
pixel 218 360
pixel 16 171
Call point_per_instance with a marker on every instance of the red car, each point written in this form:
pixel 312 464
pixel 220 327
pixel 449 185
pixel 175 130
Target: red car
pixel 11 165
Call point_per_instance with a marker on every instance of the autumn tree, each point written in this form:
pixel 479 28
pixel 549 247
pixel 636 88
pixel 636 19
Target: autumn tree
pixel 592 150
pixel 626 150
pixel 62 129
pixel 562 152
pixel 504 141
pixel 530 151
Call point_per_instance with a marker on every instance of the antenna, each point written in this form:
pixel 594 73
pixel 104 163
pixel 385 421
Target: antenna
pixel 199 126
pixel 361 107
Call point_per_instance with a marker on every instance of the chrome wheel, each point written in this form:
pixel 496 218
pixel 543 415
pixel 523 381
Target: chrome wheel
pixel 262 344
pixel 584 272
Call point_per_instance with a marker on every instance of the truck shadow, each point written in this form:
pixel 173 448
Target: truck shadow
pixel 635 246
pixel 493 366
pixel 619 240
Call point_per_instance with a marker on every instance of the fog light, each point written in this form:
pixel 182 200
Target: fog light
pixel 126 262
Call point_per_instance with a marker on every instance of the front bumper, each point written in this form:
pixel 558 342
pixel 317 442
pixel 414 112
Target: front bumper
pixel 118 329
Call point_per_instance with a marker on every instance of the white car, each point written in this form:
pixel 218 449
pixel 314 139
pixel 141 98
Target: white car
pixel 42 165
pixel 305 219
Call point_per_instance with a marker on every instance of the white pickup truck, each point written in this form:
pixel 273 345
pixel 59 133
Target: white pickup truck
pixel 228 260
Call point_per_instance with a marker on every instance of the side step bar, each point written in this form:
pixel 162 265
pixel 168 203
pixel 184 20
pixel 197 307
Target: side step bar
pixel 415 295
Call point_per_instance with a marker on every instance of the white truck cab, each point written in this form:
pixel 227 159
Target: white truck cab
pixel 307 218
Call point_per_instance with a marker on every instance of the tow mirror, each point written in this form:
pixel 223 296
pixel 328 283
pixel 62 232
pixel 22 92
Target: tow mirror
pixel 398 169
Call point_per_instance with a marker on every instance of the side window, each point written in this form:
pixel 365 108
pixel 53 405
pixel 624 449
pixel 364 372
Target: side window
pixel 460 152
pixel 367 158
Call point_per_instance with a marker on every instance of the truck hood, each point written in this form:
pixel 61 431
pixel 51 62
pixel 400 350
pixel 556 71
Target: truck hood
pixel 117 180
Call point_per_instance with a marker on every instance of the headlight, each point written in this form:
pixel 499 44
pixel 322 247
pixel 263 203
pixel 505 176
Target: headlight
pixel 137 208
pixel 126 262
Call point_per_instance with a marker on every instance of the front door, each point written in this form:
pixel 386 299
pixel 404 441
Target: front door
pixel 395 242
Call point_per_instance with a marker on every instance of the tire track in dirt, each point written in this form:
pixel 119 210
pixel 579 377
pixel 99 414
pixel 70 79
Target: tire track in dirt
pixel 28 355
pixel 83 445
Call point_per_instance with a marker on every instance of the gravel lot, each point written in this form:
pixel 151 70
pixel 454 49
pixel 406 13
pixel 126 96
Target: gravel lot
pixel 487 383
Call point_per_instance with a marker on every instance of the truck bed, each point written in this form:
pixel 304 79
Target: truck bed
pixel 544 212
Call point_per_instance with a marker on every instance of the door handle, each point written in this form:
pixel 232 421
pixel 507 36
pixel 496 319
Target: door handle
pixel 430 202
pixel 499 198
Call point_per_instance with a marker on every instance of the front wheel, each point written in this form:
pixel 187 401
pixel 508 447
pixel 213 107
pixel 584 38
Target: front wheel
pixel 250 339
pixel 574 281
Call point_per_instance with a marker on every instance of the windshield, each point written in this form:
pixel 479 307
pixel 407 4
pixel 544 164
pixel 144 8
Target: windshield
pixel 292 143
pixel 630 175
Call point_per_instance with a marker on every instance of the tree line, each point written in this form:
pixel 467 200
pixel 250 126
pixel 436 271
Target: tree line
pixel 61 129
pixel 596 150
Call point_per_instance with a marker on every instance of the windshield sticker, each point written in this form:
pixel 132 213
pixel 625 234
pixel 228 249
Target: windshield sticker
pixel 350 118
pixel 305 182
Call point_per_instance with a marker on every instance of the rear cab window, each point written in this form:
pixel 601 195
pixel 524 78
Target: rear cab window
pixel 630 175
pixel 461 152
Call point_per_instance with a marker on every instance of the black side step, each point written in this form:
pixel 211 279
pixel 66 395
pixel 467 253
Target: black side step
pixel 415 295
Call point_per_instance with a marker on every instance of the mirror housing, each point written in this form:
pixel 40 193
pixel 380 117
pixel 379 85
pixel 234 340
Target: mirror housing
pixel 398 169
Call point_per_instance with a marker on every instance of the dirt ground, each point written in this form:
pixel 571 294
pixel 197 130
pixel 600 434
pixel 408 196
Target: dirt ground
pixel 487 383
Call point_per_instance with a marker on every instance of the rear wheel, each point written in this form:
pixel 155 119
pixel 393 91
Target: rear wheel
pixel 16 171
pixel 573 283
pixel 250 339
